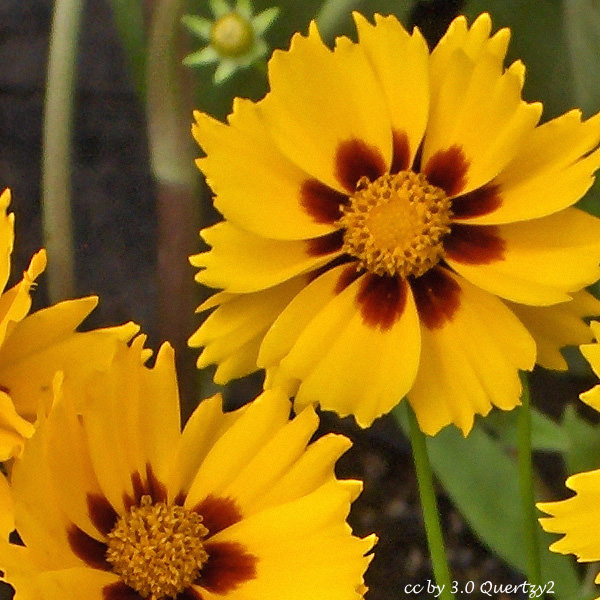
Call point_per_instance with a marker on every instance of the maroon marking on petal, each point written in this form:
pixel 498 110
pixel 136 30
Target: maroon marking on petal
pixel 401 155
pixel 119 591
pixel 150 486
pixel 326 244
pixel 227 567
pixel 474 245
pixel 437 296
pixel 101 512
pixel 139 489
pixel 321 202
pixel 355 159
pixel 218 513
pixel 447 169
pixel 189 594
pixel 381 300
pixel 88 549
pixel 347 276
pixel 156 490
pixel 179 500
pixel 4 389
pixel 482 201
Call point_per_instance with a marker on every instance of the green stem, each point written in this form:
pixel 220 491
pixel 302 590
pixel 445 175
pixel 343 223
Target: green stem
pixel 431 514
pixel 331 13
pixel 526 481
pixel 56 160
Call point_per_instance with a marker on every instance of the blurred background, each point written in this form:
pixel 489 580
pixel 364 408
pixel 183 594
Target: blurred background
pixel 134 225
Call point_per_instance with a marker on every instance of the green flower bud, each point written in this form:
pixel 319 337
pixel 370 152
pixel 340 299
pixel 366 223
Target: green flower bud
pixel 233 39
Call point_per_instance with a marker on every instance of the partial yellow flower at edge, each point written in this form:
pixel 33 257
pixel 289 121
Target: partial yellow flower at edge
pixel 260 507
pixel 578 517
pixel 396 224
pixel 34 347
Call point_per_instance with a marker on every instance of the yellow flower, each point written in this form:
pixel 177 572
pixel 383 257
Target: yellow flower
pixel 397 224
pixel 33 348
pixel 113 501
pixel 578 517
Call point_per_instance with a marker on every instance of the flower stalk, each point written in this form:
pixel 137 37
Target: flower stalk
pixel 526 485
pixel 431 514
pixel 56 154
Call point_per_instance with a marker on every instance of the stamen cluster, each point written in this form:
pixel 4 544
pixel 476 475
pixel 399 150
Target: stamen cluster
pixel 395 225
pixel 157 549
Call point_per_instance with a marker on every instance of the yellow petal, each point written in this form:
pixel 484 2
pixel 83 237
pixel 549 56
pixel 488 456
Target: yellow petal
pixel 296 315
pixel 554 327
pixel 232 333
pixel 478 112
pixel 577 518
pixel 404 82
pixel 112 425
pixel 271 462
pixel 16 302
pixel 7 514
pixel 44 343
pixel 473 41
pixel 7 236
pixel 591 352
pixel 354 366
pixel 542 261
pixel 552 170
pixel 312 470
pixel 257 425
pixel 242 164
pixel 320 100
pixel 470 362
pixel 328 560
pixel 42 525
pixel 159 420
pixel 14 429
pixel 19 571
pixel 204 427
pixel 242 262
pixel 75 583
pixel 70 465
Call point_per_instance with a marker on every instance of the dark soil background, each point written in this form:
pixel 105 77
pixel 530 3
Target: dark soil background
pixel 115 219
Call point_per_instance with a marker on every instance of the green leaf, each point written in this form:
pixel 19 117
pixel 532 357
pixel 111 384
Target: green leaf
pixel 545 435
pixel 582 27
pixel 584 442
pixel 482 482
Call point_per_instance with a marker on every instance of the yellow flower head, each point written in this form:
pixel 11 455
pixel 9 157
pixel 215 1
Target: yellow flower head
pixel 33 348
pixel 113 501
pixel 397 224
pixel 578 517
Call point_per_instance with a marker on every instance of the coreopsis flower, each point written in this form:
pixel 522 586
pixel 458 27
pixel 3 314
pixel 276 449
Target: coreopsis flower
pixel 234 39
pixel 578 517
pixel 112 501
pixel 34 347
pixel 397 224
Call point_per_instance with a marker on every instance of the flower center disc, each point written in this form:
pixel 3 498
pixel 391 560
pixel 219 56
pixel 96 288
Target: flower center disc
pixel 395 224
pixel 231 35
pixel 157 549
